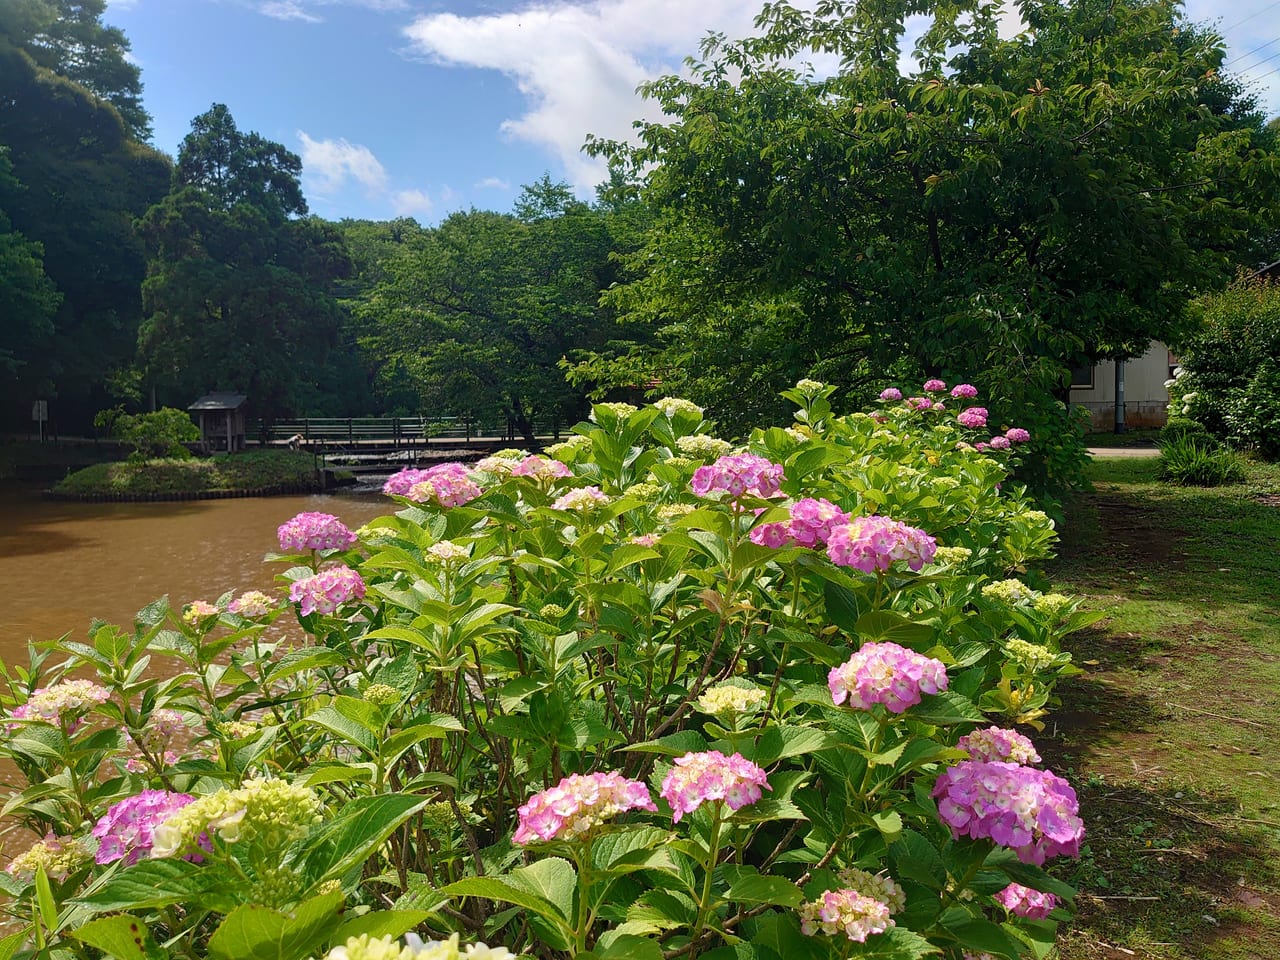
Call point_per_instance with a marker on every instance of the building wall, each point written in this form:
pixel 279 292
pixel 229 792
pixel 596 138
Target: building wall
pixel 1146 401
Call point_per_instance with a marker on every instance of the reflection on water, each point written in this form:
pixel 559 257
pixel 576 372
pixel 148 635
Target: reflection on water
pixel 63 564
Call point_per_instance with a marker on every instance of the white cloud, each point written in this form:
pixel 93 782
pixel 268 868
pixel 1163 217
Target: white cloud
pixel 408 203
pixel 287 10
pixel 328 164
pixel 578 64
pixel 493 183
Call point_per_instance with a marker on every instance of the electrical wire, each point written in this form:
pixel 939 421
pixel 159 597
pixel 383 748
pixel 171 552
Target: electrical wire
pixel 1250 53
pixel 1252 16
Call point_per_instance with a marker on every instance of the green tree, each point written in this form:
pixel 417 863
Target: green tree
pixel 478 312
pixel 238 296
pixel 28 298
pixel 77 183
pixel 1012 206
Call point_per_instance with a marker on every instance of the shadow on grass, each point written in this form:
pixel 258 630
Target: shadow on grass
pixel 1165 862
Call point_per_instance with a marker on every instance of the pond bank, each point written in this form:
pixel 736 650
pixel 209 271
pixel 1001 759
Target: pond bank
pixel 255 474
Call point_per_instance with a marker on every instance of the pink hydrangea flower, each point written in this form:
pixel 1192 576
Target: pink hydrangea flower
pixel 327 590
pixel 919 403
pixel 1017 435
pixel 126 831
pixel 846 912
pixel 886 673
pixel 811 523
pixel 891 393
pixel 445 490
pixel 934 386
pixel 873 543
pixel 697 778
pixel 965 391
pixel 163 728
pixel 999 443
pixel 645 540
pixel 577 804
pixel 998 743
pixel 67 700
pixel 1033 812
pixel 540 468
pixel 399 484
pixel 738 474
pixel 982 446
pixel 975 418
pixel 581 499
pixel 252 604
pixel 315 531
pixel 1026 902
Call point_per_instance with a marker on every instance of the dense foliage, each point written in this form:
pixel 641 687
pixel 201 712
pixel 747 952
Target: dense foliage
pixel 161 433
pixel 257 472
pixel 655 696
pixel 1013 206
pixel 1230 377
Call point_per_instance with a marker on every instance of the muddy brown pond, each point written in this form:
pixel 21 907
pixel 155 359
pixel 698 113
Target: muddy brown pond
pixel 64 564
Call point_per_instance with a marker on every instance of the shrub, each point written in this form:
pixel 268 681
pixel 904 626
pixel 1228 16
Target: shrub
pixel 1179 427
pixel 160 433
pixel 1191 461
pixel 647 694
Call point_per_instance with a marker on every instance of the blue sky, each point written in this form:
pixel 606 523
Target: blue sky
pixel 421 107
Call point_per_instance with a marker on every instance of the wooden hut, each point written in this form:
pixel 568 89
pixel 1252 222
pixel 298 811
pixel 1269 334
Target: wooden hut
pixel 221 419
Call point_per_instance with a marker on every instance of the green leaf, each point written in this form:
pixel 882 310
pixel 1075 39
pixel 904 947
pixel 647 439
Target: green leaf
pixel 493 888
pixel 977 933
pixel 672 745
pixel 156 883
pixel 843 607
pixel 626 947
pixel 123 937
pixel 746 885
pixel 885 626
pixel 255 932
pixel 551 878
pixel 915 858
pixel 44 900
pixel 355 833
pixel 946 708
pixel 346 729
pixel 382 923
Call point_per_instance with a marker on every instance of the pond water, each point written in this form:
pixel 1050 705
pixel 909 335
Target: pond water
pixel 63 564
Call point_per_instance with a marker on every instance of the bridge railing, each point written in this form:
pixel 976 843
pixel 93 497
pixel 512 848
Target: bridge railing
pixel 396 431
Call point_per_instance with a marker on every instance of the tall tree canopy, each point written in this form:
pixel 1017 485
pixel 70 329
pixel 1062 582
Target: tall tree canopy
pixel 238 295
pixel 477 313
pixel 77 182
pixel 1012 206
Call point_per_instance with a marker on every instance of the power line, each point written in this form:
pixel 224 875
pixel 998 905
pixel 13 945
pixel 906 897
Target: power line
pixel 1252 16
pixel 1259 63
pixel 1249 53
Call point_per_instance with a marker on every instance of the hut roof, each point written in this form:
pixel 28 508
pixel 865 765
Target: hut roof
pixel 219 401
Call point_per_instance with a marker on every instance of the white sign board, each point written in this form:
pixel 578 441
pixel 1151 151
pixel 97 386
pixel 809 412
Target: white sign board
pixel 40 410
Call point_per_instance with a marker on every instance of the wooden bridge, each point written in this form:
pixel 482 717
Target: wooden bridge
pixel 378 443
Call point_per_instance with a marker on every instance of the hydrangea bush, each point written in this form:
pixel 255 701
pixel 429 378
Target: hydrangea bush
pixel 648 694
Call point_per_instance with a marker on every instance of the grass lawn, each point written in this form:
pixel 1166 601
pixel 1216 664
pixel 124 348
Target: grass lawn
pixel 1172 737
pixel 264 470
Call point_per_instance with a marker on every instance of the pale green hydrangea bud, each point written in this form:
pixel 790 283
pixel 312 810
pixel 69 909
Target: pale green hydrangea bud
pixel 946 483
pixel 1053 606
pixel 569 448
pixel 446 551
pixel 237 729
pixel 682 463
pixel 799 434
pixel 272 813
pixel 675 405
pixel 726 699
pixel 703 447
pixel 952 556
pixel 552 611
pixel 674 511
pixel 1009 591
pixel 511 453
pixel 810 387
pixel 382 694
pixel 619 410
pixel 1034 656
pixel 643 491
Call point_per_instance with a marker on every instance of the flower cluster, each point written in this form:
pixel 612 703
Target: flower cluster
pixel 1011 592
pixel 499 466
pixel 743 473
pixel 964 391
pixel 1033 812
pixel 252 604
pixel 567 449
pixel 446 551
pixel 811 524
pixel 697 778
pixel 886 673
pixel 1017 435
pixel 1053 606
pixel 872 544
pixel 952 555
pixel 703 447
pixel 163 728
pixel 540 468
pixel 577 804
pixel 127 831
pixel 1026 902
pixel 890 394
pixel 810 387
pixel 725 699
pixel 365 947
pixel 448 488
pixel 272 813
pixel 581 499
pixel 975 418
pixel 998 743
pixel 920 403
pixel 64 701
pixel 1033 656
pixel 198 611
pixel 934 386
pixel 381 694
pixel 845 912
pixel 57 856
pixel 997 443
pixel 671 406
pixel 876 886
pixel 314 531
pixel 327 590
